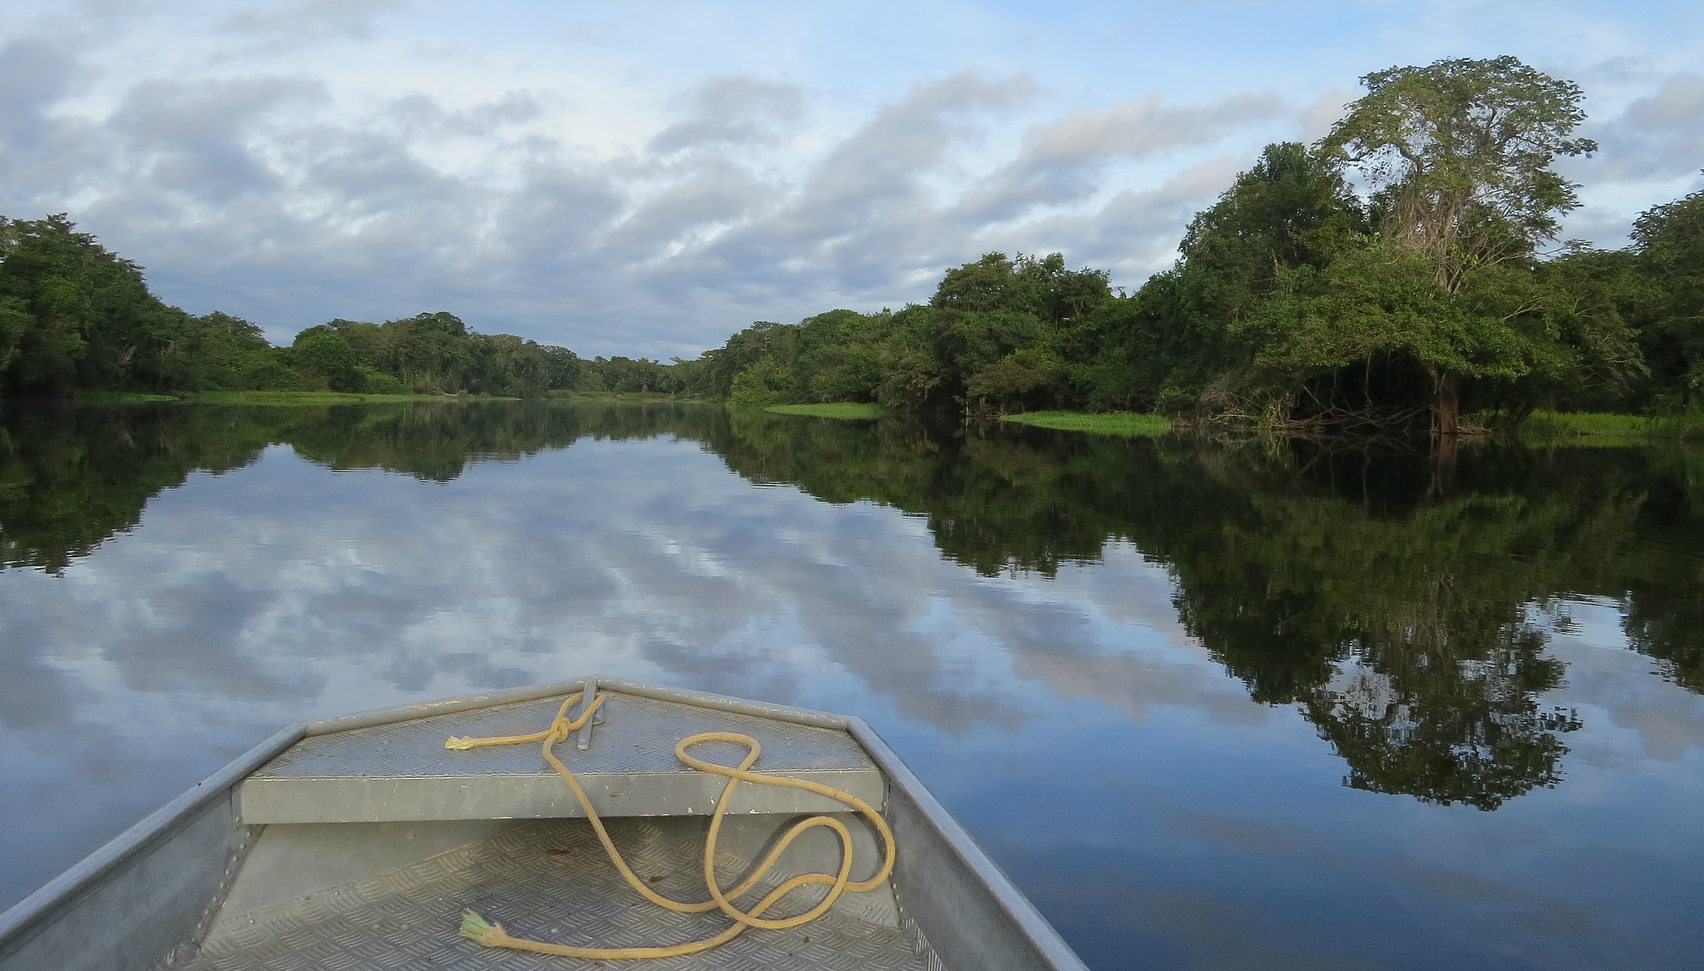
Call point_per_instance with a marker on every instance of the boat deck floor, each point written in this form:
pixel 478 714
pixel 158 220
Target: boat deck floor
pixel 548 880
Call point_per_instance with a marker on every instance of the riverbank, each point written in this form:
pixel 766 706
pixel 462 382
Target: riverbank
pixel 264 398
pixel 837 409
pixel 1609 429
pixel 1095 423
pixel 341 398
pixel 1542 428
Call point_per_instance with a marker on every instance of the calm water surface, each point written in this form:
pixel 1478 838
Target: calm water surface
pixel 1210 706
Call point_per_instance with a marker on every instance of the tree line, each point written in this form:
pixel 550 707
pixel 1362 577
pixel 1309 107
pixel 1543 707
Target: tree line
pixel 1401 273
pixel 76 317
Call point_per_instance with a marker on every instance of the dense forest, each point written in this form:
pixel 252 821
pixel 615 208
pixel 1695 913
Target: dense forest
pixel 1404 272
pixel 75 317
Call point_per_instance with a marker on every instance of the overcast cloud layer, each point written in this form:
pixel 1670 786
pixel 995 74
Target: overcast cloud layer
pixel 647 177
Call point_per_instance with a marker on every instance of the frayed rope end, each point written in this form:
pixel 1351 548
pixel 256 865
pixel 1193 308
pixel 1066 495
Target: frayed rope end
pixel 475 927
pixel 458 744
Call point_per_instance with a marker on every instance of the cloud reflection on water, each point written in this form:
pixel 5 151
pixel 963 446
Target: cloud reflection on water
pixel 279 591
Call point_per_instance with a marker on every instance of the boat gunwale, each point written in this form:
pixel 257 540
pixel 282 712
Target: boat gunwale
pixel 1036 928
pixel 19 922
pixel 87 875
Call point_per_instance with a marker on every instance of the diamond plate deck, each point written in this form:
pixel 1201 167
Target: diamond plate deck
pixel 401 771
pixel 548 880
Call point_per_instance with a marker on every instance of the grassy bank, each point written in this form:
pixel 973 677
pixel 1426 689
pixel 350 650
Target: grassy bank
pixel 842 409
pixel 321 398
pixel 118 397
pixel 1609 429
pixel 626 396
pixel 1114 423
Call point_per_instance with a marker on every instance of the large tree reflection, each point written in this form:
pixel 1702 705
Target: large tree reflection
pixel 1399 623
pixel 1385 594
pixel 1446 731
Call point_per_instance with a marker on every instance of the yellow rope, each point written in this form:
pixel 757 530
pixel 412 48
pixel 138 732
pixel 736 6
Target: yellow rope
pixel 492 935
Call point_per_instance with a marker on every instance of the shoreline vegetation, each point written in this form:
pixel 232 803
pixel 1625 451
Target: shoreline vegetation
pixel 1401 275
pixel 1540 428
pixel 321 398
pixel 839 410
pixel 1600 427
pixel 1096 423
pixel 348 398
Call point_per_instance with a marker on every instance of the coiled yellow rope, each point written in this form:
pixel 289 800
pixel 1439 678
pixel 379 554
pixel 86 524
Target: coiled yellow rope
pixel 492 935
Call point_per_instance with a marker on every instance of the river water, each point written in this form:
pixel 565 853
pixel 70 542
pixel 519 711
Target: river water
pixel 1257 705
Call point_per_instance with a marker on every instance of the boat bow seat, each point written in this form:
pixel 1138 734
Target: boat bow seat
pixel 400 770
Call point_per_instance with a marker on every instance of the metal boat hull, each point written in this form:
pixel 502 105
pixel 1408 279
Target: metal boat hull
pixel 358 842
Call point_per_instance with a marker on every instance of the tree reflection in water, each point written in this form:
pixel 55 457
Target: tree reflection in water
pixel 1396 597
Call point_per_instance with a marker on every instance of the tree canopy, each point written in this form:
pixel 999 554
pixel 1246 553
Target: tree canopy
pixel 76 317
pixel 1393 276
pixel 1457 155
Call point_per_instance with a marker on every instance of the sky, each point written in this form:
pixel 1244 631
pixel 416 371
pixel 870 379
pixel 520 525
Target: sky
pixel 647 177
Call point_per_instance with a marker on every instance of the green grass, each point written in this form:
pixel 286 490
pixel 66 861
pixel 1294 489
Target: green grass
pixel 1110 423
pixel 558 394
pixel 1602 428
pixel 839 409
pixel 119 397
pixel 320 398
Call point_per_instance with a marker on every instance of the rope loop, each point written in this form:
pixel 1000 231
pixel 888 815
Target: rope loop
pixel 561 726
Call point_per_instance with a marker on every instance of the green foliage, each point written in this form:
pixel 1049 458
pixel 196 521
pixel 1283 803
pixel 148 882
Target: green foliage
pixel 119 397
pixel 1667 298
pixel 990 340
pixel 1186 342
pixel 1291 210
pixel 60 292
pixel 1550 427
pixel 765 383
pixel 330 358
pixel 76 318
pixel 1458 155
pixel 741 351
pixel 1296 305
pixel 625 375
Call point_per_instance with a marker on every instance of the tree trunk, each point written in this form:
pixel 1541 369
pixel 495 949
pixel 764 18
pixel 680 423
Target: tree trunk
pixel 1446 403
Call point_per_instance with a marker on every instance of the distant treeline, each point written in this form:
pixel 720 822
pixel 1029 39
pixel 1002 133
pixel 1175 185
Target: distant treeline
pixel 1391 276
pixel 75 317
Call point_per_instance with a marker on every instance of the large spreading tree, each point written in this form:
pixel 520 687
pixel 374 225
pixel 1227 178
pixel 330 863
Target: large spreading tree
pixel 1457 159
